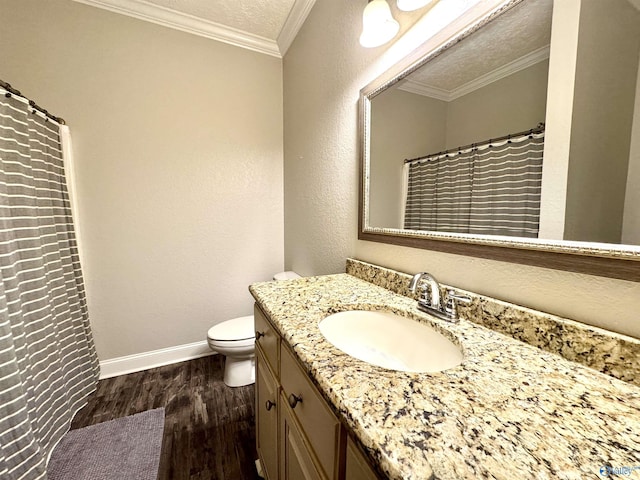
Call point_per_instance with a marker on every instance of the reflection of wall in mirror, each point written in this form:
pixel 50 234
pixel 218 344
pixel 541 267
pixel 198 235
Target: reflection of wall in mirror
pixel 406 125
pixel 403 125
pixel 512 104
pixel 631 218
pixel 594 66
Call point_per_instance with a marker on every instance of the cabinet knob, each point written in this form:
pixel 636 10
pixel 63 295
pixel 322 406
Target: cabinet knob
pixel 258 335
pixel 294 400
pixel 269 405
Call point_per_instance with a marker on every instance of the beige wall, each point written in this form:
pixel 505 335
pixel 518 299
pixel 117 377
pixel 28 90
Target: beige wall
pixel 323 73
pixel 404 125
pixel 178 150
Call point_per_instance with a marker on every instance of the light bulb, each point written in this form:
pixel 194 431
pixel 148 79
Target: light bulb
pixel 378 25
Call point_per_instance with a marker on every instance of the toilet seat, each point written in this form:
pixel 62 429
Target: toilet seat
pixel 231 345
pixel 233 332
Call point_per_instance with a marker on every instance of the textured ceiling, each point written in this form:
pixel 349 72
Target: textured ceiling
pixel 519 31
pixel 264 18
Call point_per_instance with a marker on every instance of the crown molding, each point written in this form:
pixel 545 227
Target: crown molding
pixel 188 23
pixel 297 16
pixel 425 90
pixel 510 68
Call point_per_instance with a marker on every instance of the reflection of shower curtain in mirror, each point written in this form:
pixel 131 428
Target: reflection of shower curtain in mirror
pixel 492 189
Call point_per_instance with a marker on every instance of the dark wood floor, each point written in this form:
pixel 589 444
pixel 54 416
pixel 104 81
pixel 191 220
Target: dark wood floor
pixel 209 431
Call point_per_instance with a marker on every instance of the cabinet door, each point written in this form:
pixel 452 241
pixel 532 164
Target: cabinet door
pixel 266 418
pixel 357 467
pixel 296 462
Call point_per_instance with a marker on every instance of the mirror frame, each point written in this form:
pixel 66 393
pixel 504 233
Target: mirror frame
pixel 607 260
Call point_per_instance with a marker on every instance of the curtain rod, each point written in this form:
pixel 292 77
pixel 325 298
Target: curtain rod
pixel 12 91
pixel 539 129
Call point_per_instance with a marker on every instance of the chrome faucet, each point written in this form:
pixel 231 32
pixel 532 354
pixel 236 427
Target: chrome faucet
pixel 429 302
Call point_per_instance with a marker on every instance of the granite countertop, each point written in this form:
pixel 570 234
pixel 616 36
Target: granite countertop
pixel 508 411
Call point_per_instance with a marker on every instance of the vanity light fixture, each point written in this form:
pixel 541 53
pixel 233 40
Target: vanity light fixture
pixel 378 25
pixel 409 5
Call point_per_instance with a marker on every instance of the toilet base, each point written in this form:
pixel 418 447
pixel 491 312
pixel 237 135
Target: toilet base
pixel 239 372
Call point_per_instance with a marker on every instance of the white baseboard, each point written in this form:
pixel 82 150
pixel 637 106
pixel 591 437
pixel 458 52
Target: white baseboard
pixel 155 358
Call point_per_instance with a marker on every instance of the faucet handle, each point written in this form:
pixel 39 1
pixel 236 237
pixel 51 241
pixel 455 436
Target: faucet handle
pixel 451 294
pixel 451 307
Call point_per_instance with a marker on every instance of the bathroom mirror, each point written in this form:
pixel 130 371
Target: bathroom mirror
pixel 513 140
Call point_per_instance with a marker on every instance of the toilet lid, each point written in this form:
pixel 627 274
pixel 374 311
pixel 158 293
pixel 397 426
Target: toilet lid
pixel 240 328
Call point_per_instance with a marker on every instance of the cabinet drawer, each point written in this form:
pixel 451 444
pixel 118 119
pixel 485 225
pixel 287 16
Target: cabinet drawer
pixel 268 340
pixel 318 422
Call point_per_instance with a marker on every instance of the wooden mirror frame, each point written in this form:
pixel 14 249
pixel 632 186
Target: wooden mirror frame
pixel 606 260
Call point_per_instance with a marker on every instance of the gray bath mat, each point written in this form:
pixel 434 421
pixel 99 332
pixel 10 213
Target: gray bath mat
pixel 124 448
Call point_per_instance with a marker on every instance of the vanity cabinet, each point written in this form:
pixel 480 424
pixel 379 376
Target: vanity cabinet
pixel 298 437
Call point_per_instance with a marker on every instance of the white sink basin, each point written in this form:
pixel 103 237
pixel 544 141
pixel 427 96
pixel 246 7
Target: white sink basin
pixel 390 341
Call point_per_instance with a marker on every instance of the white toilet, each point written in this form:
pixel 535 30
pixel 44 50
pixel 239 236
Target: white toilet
pixel 236 339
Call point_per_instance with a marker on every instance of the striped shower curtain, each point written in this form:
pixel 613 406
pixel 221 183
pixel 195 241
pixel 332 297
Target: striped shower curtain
pixel 48 363
pixel 493 189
